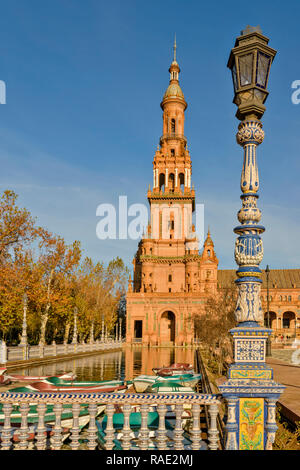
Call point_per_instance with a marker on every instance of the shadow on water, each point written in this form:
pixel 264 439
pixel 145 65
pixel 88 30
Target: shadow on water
pixel 126 364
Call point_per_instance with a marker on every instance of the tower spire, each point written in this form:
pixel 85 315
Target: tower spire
pixel 174 48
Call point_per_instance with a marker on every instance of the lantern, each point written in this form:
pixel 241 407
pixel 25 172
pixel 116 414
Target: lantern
pixel 250 61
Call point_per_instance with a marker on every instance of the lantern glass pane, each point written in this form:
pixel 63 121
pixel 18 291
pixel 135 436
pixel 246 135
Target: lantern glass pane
pixel 246 67
pixel 262 69
pixel 234 78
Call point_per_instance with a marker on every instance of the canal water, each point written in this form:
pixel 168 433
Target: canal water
pixel 125 364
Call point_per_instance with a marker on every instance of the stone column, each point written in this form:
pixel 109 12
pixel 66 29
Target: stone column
pixel 271 426
pixel 232 424
pixel 74 340
pixel 3 352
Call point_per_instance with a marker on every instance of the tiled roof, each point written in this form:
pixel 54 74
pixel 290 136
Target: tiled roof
pixel 278 278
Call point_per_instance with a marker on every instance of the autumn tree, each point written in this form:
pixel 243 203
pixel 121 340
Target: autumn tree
pixel 213 324
pixel 42 265
pixel 17 231
pixel 17 226
pixel 56 261
pixel 98 289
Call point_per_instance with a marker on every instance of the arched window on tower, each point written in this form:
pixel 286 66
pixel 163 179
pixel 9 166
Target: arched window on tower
pixel 173 126
pixel 171 182
pixel 181 181
pixel 208 253
pixel 162 182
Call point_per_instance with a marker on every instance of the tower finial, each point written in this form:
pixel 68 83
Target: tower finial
pixel 174 48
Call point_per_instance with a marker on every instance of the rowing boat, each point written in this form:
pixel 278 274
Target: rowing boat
pixel 44 386
pixel 142 382
pixel 173 369
pixel 58 381
pixel 169 387
pixel 37 378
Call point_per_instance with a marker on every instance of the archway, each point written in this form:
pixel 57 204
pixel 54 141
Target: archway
pixel 138 330
pixel 181 181
pixel 288 321
pixel 167 327
pixel 162 182
pixel 171 182
pixel 272 318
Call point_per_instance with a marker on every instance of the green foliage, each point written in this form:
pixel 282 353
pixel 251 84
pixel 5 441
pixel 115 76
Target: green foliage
pixel 287 437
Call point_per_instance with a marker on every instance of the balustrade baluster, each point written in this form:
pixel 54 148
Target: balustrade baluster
pixel 144 432
pixel 109 432
pixel 178 444
pixel 56 441
pixel 24 409
pixel 213 433
pixel 196 430
pixel 126 428
pixel 162 438
pixel 75 427
pixel 41 437
pixel 161 432
pixel 92 431
pixel 6 432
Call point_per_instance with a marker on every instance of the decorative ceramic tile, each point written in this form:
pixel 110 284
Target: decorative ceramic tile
pixel 251 417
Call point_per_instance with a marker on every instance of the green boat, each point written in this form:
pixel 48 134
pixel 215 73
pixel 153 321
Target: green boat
pixel 58 381
pixel 169 387
pixel 142 382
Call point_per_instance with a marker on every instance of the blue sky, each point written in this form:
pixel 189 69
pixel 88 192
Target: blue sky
pixel 82 120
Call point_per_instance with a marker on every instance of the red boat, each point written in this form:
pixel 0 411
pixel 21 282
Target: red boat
pixel 47 387
pixel 35 378
pixel 174 369
pixel 4 380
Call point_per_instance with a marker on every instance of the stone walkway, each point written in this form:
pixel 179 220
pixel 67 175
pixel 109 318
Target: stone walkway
pixel 283 354
pixel 288 375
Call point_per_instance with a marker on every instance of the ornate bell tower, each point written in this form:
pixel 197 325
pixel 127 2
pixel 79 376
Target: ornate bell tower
pixel 168 269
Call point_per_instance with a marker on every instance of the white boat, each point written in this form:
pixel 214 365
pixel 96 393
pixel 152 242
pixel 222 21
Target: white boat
pixel 142 382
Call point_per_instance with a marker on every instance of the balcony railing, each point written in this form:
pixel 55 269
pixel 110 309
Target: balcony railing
pixel 172 136
pixel 27 352
pixel 108 438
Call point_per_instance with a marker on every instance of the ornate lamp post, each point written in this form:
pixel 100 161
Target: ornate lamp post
pixel 250 390
pixel 268 352
pixel 23 341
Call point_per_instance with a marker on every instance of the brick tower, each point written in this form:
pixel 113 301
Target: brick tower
pixel 171 279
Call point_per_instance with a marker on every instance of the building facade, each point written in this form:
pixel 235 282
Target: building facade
pixel 172 280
